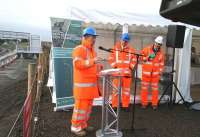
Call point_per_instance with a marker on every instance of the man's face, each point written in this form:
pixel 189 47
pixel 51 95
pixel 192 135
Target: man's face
pixel 124 43
pixel 157 46
pixel 90 40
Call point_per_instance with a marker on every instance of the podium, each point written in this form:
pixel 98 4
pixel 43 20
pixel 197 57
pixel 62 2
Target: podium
pixel 110 118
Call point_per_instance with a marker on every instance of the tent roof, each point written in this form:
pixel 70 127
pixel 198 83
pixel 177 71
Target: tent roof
pixel 107 20
pixel 121 18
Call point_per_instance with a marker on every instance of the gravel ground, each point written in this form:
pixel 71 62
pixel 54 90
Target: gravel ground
pixel 13 88
pixel 176 121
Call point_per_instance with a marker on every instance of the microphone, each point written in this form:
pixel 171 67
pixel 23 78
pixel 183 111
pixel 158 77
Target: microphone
pixel 102 48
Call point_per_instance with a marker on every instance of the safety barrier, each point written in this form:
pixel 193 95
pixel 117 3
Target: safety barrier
pixel 7 59
pixel 28 116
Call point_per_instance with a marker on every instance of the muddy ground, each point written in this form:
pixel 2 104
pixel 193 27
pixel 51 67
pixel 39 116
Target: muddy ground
pixel 176 121
pixel 13 88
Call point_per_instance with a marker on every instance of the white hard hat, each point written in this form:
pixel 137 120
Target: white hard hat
pixel 159 40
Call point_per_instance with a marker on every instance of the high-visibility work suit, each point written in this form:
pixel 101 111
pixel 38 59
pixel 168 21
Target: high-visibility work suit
pixel 151 70
pixel 85 85
pixel 119 59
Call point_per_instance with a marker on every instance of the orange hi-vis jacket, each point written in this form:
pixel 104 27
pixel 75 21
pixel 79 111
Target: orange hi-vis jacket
pixel 85 73
pixel 126 60
pixel 152 68
pixel 120 59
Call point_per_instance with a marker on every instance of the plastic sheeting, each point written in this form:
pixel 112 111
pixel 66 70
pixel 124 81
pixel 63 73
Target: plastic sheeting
pixel 196 106
pixel 184 67
pixel 117 17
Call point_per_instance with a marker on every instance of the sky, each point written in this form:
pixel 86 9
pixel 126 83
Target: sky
pixel 33 15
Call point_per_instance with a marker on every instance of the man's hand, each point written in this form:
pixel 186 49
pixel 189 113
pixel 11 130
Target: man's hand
pixel 98 60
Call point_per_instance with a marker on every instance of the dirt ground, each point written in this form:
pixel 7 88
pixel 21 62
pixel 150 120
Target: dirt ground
pixel 13 88
pixel 195 92
pixel 176 121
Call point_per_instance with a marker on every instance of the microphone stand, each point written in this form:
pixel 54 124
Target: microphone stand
pixel 135 82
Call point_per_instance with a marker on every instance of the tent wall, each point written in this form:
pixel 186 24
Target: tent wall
pixel 184 67
pixel 139 40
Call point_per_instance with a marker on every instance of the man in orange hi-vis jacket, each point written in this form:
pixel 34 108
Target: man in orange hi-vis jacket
pixel 121 57
pixel 85 82
pixel 152 67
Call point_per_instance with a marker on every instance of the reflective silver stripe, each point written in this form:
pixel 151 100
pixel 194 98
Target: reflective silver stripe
pixel 129 55
pixel 144 87
pixel 87 62
pixel 119 61
pixel 82 85
pixel 113 64
pixel 149 63
pixel 148 73
pixel 155 73
pixel 134 59
pixel 87 52
pixel 126 93
pixel 79 117
pixel 79 111
pixel 154 88
pixel 145 83
pixel 154 84
pixel 88 57
pixel 156 64
pixel 127 89
pixel 81 46
pixel 117 54
pixel 76 127
pixel 127 62
pixel 76 58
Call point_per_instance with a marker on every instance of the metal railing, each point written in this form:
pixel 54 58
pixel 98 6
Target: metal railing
pixel 28 116
pixel 8 58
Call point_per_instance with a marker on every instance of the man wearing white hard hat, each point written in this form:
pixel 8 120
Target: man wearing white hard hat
pixel 152 68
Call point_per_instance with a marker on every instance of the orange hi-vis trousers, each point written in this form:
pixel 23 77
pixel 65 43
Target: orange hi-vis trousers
pixel 125 98
pixel 153 82
pixel 81 114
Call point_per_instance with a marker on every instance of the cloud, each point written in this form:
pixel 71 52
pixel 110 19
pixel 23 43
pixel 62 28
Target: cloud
pixel 35 13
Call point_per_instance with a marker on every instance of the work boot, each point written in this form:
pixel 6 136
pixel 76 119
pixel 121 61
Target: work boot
pixel 126 109
pixel 115 108
pixel 89 129
pixel 155 107
pixel 81 133
pixel 144 106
